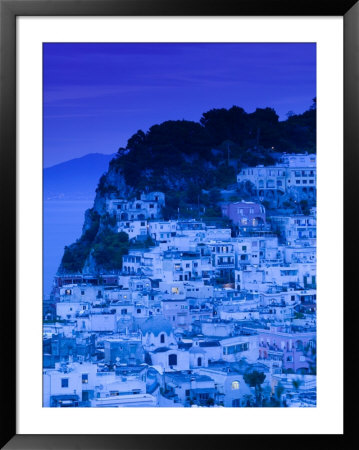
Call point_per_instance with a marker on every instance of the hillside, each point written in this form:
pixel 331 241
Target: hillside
pixel 190 162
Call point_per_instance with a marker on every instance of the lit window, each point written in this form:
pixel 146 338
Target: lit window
pixel 235 385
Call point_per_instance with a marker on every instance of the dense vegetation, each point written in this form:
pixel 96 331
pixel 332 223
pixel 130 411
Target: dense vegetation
pixel 76 254
pixel 177 155
pixel 106 246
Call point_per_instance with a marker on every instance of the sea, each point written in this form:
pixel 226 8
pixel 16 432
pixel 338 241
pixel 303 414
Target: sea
pixel 63 221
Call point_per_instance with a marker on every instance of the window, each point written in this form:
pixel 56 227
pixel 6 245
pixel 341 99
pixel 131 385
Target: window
pixel 64 382
pixel 85 378
pixel 235 385
pixel 187 392
pixel 82 292
pixel 138 311
pixel 162 338
pixel 152 205
pixel 172 360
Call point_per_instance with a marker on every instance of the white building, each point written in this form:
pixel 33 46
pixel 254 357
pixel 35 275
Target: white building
pixel 295 171
pixel 149 206
pixel 296 229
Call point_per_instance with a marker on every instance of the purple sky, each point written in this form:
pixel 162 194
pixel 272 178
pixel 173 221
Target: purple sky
pixel 97 95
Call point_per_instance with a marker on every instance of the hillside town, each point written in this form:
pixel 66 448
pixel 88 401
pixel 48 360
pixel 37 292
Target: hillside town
pixel 201 314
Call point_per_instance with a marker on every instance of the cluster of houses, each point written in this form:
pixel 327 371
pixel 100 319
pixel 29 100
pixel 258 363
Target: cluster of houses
pixel 203 318
pixel 293 173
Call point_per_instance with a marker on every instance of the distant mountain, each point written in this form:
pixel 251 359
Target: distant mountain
pixel 75 179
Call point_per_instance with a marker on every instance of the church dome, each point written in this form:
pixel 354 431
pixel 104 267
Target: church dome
pixel 156 325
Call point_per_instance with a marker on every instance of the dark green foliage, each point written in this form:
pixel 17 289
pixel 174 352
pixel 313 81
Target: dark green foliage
pixel 223 124
pixel 149 242
pixel 214 197
pixel 193 193
pixel 298 132
pixel 103 188
pixel 181 151
pixel 170 145
pixel 75 255
pixel 255 379
pixel 225 175
pixel 109 248
pixel 304 207
pixel 108 220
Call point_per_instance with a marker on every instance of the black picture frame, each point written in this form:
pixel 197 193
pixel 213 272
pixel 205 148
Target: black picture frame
pixel 9 10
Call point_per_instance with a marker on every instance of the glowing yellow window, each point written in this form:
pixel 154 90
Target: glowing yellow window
pixel 175 290
pixel 235 385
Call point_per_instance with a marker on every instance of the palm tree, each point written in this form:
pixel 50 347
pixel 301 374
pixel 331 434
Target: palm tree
pixel 296 384
pixel 279 389
pixel 255 379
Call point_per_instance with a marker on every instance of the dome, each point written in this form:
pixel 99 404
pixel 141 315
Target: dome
pixel 156 325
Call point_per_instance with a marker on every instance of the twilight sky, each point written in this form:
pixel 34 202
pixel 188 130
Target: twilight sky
pixel 97 95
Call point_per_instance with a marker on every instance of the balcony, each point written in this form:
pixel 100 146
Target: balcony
pixel 225 265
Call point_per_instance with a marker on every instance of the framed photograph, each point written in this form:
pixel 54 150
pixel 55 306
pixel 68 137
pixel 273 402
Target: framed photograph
pixel 173 183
